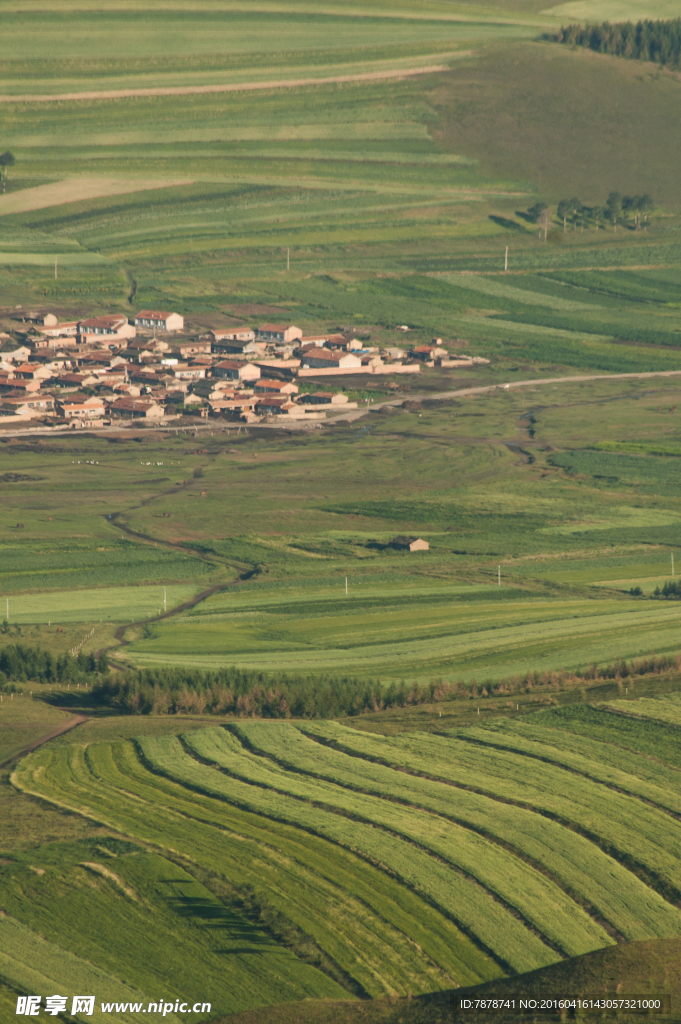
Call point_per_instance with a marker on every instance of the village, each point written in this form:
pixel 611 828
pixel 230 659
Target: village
pixel 112 369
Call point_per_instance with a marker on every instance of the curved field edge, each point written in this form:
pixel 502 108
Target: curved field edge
pixel 208 833
pixel 642 837
pixel 615 897
pixel 548 911
pixel 493 926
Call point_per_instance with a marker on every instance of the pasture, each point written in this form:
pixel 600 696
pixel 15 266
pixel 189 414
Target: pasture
pixel 192 198
pixel 111 604
pixel 518 484
pixel 547 853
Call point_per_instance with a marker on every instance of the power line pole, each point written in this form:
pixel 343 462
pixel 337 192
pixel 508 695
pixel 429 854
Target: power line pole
pixel 506 260
pixel 672 563
pixel 165 605
pixel 499 576
pixel 346 586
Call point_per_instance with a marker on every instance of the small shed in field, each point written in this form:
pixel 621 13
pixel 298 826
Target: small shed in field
pixel 410 544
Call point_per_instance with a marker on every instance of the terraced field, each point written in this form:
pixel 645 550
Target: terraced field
pixel 414 862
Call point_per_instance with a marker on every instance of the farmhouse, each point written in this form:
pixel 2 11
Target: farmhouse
pixel 410 544
pixel 44 319
pixel 239 348
pixel 232 370
pixel 275 387
pixel 191 348
pixel 28 408
pixel 159 321
pixel 32 371
pixel 19 387
pixel 278 334
pixel 428 353
pixel 143 376
pixel 64 331
pixel 72 380
pixel 274 406
pixel 109 327
pixel 212 389
pixel 334 341
pixel 232 334
pixel 136 408
pixel 237 404
pixel 184 372
pixel 322 357
pixel 326 398
pixel 81 407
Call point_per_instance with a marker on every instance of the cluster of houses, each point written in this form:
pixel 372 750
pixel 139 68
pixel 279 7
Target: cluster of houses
pixel 88 372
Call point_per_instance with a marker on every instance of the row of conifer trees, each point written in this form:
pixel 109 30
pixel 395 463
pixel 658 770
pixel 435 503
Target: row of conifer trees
pixel 656 41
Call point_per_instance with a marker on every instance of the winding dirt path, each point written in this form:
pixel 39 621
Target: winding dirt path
pixel 70 723
pixel 188 90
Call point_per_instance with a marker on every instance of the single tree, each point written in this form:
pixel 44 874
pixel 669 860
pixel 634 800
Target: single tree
pixel 535 212
pixel 597 215
pixel 544 221
pixel 564 210
pixel 645 206
pixel 6 160
pixel 614 208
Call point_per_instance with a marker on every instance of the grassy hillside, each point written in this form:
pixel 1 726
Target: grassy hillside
pixel 486 851
pixel 190 199
pixel 648 967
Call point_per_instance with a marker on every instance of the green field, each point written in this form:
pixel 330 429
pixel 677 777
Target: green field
pixel 569 491
pixel 415 862
pixel 447 834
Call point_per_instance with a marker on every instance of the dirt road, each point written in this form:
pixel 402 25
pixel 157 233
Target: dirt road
pixel 70 723
pixel 506 386
pixel 188 90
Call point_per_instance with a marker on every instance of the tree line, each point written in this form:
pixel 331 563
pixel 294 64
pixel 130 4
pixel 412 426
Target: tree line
pixel 656 41
pixel 629 211
pixel 671 591
pixel 252 694
pixel 24 663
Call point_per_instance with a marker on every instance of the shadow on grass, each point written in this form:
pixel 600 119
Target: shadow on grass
pixel 509 225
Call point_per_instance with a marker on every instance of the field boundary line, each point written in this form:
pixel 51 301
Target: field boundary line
pixel 649 876
pixel 462 822
pixel 358 816
pixel 546 759
pixel 194 90
pixel 71 723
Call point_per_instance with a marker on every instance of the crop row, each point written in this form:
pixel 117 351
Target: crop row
pixel 653 740
pixel 579 866
pixel 664 709
pixel 349 817
pixel 630 830
pixel 620 770
pixel 375 927
pixel 31 964
pixel 593 756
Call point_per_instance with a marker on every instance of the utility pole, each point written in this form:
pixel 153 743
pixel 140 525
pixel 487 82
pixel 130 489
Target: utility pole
pixel 165 605
pixel 346 586
pixel 506 260
pixel 672 563
pixel 499 575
